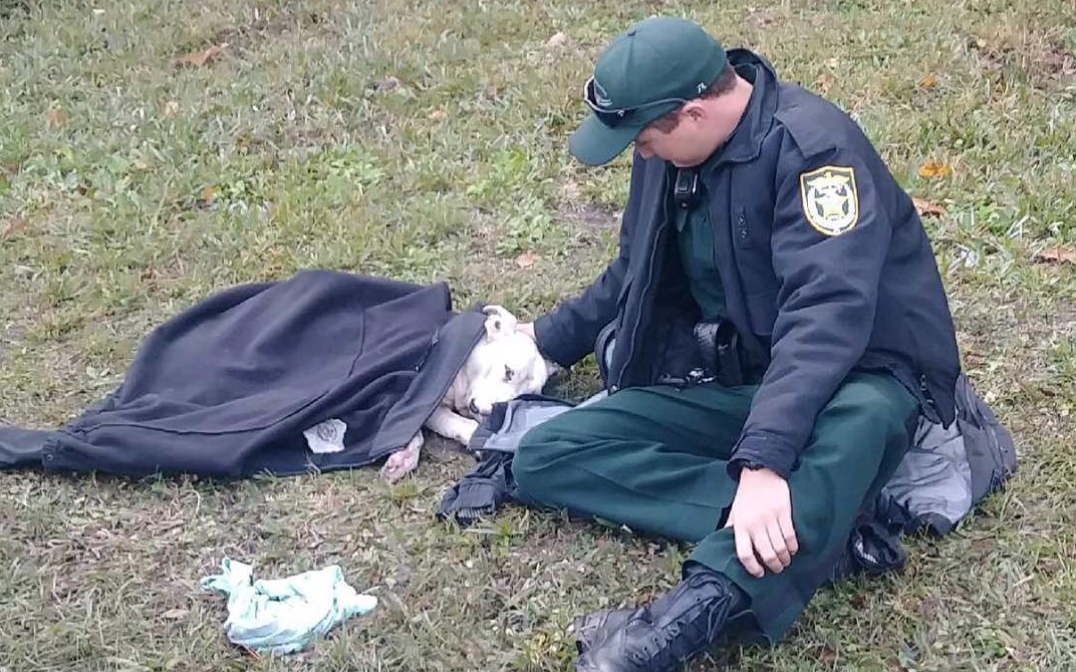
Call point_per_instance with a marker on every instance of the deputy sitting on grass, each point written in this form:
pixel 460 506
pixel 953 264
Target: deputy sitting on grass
pixel 778 325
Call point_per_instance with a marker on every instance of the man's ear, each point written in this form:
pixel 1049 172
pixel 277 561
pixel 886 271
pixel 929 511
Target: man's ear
pixel 499 322
pixel 695 110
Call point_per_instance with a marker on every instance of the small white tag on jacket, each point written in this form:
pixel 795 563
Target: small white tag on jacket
pixel 326 437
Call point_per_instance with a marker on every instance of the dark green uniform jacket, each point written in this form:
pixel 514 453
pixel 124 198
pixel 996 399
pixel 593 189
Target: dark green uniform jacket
pixel 823 260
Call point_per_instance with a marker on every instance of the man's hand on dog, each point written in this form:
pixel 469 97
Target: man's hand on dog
pixel 528 329
pixel 761 517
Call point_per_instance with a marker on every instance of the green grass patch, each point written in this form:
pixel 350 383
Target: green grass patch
pixel 426 141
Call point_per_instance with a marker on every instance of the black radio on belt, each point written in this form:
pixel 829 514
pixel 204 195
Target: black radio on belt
pixel 686 188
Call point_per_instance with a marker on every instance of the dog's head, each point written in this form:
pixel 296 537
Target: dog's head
pixel 505 364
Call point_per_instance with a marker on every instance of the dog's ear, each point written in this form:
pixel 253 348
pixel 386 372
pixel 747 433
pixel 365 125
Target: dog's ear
pixel 499 322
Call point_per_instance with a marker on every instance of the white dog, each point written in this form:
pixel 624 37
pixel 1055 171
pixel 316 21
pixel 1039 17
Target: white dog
pixel 505 364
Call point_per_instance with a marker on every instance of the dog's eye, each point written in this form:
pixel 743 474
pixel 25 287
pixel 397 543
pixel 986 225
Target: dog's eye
pixel 508 373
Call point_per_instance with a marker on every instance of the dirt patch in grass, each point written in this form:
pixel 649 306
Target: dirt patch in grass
pixel 588 215
pixel 265 25
pixel 1039 54
pixel 1057 60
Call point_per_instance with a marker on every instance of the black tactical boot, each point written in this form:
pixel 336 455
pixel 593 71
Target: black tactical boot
pixel 660 636
pixel 598 624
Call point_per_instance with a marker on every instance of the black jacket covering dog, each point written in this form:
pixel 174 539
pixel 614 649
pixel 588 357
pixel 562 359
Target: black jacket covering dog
pixel 227 387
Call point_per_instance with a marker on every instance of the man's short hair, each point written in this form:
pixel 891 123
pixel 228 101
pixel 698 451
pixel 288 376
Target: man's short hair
pixel 720 86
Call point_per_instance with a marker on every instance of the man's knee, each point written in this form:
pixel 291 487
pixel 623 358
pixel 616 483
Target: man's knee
pixel 878 403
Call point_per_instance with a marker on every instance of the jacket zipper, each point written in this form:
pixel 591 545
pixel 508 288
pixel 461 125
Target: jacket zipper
pixel 651 262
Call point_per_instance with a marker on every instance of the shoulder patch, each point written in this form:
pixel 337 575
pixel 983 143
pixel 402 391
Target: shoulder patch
pixel 830 199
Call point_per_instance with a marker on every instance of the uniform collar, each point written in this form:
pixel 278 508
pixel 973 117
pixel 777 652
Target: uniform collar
pixel 745 143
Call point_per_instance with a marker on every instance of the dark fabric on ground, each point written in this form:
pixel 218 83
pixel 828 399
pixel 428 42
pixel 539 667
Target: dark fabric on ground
pixel 227 387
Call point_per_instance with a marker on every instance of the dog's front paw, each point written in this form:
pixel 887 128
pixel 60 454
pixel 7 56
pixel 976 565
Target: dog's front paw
pixel 398 465
pixel 403 461
pixel 465 430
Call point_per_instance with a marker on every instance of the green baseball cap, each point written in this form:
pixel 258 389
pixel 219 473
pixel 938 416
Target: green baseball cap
pixel 647 71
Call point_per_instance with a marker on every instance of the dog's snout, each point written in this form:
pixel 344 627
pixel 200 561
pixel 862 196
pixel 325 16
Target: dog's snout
pixel 472 406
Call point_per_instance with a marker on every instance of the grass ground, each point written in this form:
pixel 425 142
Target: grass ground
pixel 427 140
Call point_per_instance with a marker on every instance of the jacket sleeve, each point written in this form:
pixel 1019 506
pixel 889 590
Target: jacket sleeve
pixel 567 333
pixel 828 277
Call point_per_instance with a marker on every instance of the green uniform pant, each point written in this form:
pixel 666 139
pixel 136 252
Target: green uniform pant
pixel 654 459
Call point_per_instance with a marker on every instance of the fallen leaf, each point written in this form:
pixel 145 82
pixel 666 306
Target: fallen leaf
pixel 825 81
pixel 827 655
pixel 200 58
pixel 527 259
pixel 171 108
pixel 436 115
pixel 928 209
pixel 56 117
pixel 928 82
pixel 1056 255
pixel 558 40
pixel 934 169
pixel 175 614
pixel 491 91
pixel 13 225
pixel 209 194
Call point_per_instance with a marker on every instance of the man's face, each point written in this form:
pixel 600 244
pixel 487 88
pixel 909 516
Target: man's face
pixel 679 146
pixel 694 139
